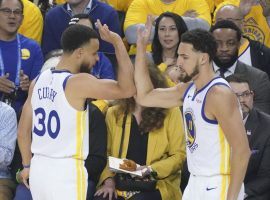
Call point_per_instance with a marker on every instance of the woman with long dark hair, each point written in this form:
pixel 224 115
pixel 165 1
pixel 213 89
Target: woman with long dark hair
pixel 153 138
pixel 168 30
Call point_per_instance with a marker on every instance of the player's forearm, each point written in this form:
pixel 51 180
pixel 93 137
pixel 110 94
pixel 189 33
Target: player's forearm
pixel 24 139
pixel 239 162
pixel 125 75
pixel 142 79
pixel 131 37
pixel 24 142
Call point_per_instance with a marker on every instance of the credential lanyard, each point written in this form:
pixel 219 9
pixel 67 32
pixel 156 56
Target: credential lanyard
pixel 19 63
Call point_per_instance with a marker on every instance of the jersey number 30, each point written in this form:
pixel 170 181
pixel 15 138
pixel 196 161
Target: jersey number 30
pixel 42 127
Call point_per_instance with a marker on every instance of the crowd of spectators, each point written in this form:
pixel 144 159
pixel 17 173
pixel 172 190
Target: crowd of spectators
pixel 30 37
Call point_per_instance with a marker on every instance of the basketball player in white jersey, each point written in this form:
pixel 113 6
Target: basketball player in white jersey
pixel 217 146
pixel 55 113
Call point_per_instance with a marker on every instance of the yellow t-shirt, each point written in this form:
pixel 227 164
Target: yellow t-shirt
pixel 120 5
pixel 139 9
pixel 212 4
pixel 255 25
pixel 32 25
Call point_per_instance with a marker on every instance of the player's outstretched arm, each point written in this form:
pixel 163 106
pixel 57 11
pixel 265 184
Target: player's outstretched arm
pixel 24 135
pixel 125 75
pixel 146 94
pixel 225 108
pixel 86 86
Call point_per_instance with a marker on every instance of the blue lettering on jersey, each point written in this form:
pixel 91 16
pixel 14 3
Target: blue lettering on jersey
pixel 46 93
pixel 41 127
pixel 191 131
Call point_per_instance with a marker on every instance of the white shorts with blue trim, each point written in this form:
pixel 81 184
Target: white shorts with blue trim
pixel 57 179
pixel 209 188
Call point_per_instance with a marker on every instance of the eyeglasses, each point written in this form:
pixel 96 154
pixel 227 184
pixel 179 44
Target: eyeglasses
pixel 8 12
pixel 244 94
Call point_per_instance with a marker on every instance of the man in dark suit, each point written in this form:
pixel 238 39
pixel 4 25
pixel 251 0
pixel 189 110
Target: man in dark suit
pixel 252 52
pixel 226 63
pixel 257 124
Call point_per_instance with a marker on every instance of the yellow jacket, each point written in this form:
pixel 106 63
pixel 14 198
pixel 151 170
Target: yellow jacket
pixel 165 150
pixel 32 25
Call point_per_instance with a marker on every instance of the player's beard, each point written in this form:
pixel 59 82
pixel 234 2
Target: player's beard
pixel 186 78
pixel 84 68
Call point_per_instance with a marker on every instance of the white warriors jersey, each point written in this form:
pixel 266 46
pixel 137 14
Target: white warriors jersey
pixel 58 129
pixel 208 152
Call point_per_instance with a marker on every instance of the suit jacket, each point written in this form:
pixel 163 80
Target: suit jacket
pixel 260 56
pixel 257 179
pixel 165 149
pixel 259 83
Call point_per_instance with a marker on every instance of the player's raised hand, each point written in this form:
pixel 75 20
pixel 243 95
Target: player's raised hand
pixel 106 34
pixel 143 35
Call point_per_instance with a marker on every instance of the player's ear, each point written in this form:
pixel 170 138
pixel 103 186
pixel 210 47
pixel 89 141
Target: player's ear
pixel 204 58
pixel 78 52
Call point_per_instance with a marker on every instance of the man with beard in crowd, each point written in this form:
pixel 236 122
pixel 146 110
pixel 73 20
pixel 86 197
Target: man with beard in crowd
pixel 226 63
pixel 217 160
pixel 257 124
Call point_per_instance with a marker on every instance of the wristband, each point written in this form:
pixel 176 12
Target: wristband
pixel 26 166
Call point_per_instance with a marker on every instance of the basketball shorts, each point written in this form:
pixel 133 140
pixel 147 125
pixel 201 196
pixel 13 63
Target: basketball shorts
pixel 57 179
pixel 209 188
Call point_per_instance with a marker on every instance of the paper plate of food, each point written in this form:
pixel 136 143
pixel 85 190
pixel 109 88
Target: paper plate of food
pixel 124 166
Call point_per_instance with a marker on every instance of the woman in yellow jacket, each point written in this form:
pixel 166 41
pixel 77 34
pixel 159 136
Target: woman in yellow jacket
pixel 153 138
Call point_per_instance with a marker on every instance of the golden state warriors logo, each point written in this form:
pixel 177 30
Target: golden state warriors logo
pixel 25 54
pixel 190 131
pixel 252 30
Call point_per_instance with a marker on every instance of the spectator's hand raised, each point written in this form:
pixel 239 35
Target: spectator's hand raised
pixel 265 4
pixel 24 81
pixel 143 35
pixel 6 85
pixel 246 5
pixel 108 188
pixel 191 13
pixel 106 34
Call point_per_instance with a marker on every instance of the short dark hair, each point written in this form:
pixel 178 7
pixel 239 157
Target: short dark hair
pixel 237 78
pixel 20 1
pixel 156 46
pixel 229 25
pixel 202 41
pixel 75 19
pixel 76 36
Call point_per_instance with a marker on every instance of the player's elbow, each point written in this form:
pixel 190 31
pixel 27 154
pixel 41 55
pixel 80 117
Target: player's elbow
pixel 141 100
pixel 244 153
pixel 130 92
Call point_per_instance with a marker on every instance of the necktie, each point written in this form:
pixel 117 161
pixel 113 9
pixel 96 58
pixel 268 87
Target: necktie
pixel 222 71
